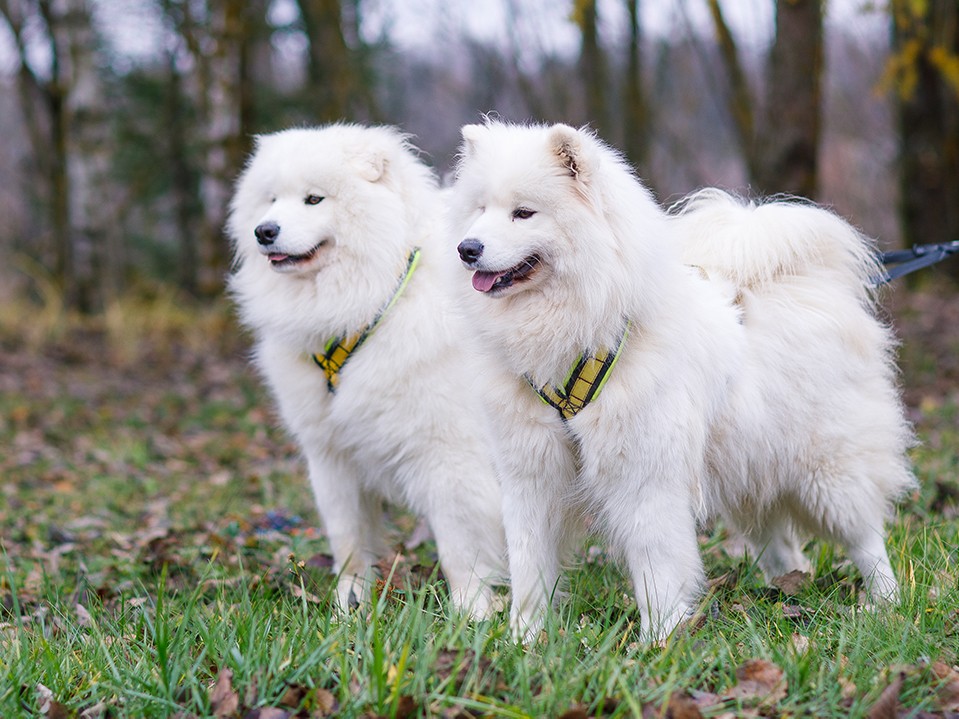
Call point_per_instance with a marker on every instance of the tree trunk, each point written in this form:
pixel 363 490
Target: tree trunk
pixel 224 142
pixel 790 139
pixel 928 110
pixel 176 151
pixel 97 254
pixel 592 65
pixel 331 73
pixel 780 152
pixel 43 107
pixel 739 100
pixel 636 111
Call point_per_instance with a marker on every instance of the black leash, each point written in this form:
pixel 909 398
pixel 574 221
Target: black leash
pixel 913 259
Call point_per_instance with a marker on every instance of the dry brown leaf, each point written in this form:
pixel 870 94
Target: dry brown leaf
pixel 887 705
pixel 406 707
pixel 792 582
pixel 267 713
pixel 56 710
pixel 577 712
pixel 300 593
pixel 224 702
pixel 83 616
pixel 947 694
pixel 324 703
pixel 97 711
pixel 759 681
pixel 682 706
pixel 800 643
pixel 450 662
pixel 293 695
pixel 705 700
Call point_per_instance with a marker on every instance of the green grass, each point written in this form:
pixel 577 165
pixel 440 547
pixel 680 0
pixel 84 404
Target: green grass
pixel 156 529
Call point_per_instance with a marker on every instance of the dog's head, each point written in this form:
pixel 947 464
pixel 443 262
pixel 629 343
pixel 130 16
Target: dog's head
pixel 309 197
pixel 521 194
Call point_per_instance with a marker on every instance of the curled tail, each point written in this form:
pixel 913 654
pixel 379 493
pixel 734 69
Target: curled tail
pixel 753 244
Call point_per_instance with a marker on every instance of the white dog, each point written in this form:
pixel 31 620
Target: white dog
pixel 339 275
pixel 647 368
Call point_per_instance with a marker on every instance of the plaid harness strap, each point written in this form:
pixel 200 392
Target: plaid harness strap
pixel 338 350
pixel 584 382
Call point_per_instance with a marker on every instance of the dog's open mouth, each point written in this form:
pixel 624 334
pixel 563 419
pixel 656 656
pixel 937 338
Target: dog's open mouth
pixel 493 281
pixel 280 260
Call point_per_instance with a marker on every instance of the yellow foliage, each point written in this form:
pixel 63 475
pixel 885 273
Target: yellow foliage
pixel 578 12
pixel 915 26
pixel 901 73
pixel 948 65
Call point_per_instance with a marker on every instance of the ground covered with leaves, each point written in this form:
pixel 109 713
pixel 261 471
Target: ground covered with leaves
pixel 160 556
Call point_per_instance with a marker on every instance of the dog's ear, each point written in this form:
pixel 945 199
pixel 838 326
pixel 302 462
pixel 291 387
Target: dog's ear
pixel 472 135
pixel 372 165
pixel 570 150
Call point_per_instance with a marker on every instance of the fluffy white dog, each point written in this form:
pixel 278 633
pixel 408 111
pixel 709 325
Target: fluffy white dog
pixel 339 275
pixel 646 369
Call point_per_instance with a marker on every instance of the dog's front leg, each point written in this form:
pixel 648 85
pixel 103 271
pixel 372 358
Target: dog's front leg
pixel 354 525
pixel 653 526
pixel 534 526
pixel 664 564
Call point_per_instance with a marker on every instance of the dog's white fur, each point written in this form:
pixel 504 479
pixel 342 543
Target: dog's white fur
pixel 756 382
pixel 402 424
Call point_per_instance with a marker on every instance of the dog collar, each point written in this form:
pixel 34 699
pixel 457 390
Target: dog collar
pixel 585 380
pixel 338 350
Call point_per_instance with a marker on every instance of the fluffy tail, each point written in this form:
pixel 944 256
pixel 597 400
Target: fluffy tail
pixel 751 244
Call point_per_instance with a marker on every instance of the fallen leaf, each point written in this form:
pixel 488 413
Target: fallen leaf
pixel 300 593
pixel 759 680
pixel 800 643
pixel 324 703
pixel 267 713
pixel 224 701
pixel 56 710
pixel 97 711
pixel 83 616
pixel 947 693
pixel 791 583
pixel 705 700
pixel 794 612
pixel 44 698
pixel 406 707
pixel 575 713
pixel 887 705
pixel 682 706
pixel 293 696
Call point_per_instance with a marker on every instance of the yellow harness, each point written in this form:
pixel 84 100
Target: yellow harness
pixel 584 382
pixel 338 350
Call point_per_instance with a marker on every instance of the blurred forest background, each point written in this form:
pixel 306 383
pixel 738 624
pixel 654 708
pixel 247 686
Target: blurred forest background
pixel 125 123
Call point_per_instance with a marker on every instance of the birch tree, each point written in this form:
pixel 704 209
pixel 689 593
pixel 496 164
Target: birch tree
pixel 63 106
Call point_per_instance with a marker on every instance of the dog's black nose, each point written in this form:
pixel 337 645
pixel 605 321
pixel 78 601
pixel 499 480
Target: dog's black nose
pixel 470 250
pixel 266 233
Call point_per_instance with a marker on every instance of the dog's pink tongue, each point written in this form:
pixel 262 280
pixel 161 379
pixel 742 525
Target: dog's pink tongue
pixel 483 281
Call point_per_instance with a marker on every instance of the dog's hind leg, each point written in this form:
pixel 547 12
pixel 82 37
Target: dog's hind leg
pixel 776 544
pixel 852 514
pixel 865 544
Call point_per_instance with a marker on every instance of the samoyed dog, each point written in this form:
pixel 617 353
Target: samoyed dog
pixel 340 275
pixel 649 369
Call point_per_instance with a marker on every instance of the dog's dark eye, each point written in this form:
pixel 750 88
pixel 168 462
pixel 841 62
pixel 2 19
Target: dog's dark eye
pixel 313 200
pixel 523 213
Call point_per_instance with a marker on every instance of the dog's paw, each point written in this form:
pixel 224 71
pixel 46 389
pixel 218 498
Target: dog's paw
pixel 351 592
